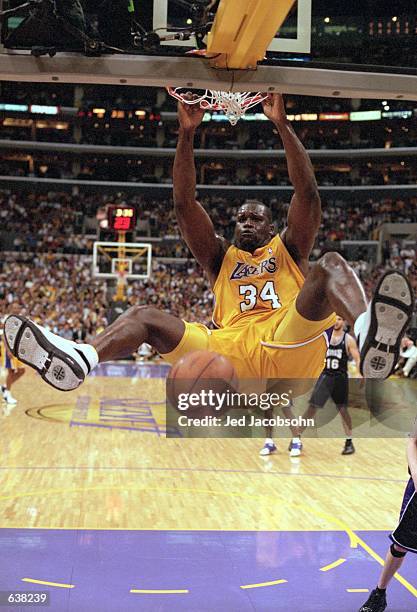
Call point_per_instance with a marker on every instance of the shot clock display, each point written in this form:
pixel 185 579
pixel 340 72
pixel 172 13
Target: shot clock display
pixel 121 218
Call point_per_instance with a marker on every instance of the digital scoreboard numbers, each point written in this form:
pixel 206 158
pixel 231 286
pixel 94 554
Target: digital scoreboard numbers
pixel 121 218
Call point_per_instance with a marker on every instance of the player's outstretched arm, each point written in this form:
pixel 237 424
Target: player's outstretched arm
pixel 304 215
pixel 196 226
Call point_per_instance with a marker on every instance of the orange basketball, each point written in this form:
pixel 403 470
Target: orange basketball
pixel 201 372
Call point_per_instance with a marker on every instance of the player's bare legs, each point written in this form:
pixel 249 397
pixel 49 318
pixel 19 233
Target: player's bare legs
pixel 64 364
pixel 331 286
pixel 269 446
pixel 137 325
pixel 12 377
pixel 393 561
pixel 346 420
pixel 392 565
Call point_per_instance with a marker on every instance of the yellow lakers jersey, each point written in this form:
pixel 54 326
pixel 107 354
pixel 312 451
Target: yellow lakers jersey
pixel 255 285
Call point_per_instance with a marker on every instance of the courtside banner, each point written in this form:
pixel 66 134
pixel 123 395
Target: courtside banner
pixel 215 408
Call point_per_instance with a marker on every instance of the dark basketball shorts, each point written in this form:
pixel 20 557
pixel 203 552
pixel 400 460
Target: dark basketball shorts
pixel 405 534
pixel 331 386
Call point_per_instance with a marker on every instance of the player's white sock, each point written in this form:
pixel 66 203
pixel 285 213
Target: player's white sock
pixel 296 439
pixel 269 441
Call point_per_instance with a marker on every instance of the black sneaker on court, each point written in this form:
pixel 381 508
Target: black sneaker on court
pixel 348 449
pixel 376 602
pixel 379 330
pixel 63 364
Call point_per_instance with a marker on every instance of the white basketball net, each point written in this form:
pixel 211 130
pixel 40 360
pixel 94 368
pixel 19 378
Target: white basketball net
pixel 233 105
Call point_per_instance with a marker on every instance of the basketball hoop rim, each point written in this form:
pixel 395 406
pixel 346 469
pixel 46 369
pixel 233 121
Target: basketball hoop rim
pixel 233 104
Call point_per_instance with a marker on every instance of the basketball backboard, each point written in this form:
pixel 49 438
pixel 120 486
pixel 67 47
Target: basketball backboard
pixel 365 49
pixel 294 37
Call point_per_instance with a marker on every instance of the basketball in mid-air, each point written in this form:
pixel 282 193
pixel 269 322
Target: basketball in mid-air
pixel 199 372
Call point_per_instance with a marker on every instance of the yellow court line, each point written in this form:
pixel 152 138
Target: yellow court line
pixel 55 584
pixel 357 590
pixel 263 584
pixel 381 561
pixel 331 566
pixel 159 591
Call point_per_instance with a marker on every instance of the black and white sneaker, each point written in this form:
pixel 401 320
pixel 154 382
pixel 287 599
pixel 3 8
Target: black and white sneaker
pixel 63 364
pixel 376 602
pixel 348 449
pixel 379 330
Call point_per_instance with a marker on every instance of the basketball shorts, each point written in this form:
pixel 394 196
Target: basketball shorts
pixel 405 534
pixel 331 386
pixel 297 347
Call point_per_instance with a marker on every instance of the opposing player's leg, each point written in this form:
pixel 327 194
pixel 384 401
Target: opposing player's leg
pixel 13 375
pixel 404 539
pixel 295 446
pixel 15 370
pixel 269 446
pixel 349 448
pixel 340 396
pixel 377 600
pixel 64 364
pixel 318 399
pixel 332 286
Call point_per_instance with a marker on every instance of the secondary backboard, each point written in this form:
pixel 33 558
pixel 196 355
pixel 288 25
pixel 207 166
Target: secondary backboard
pixel 130 260
pixel 295 33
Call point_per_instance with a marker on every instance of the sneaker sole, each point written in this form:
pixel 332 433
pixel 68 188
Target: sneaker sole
pixel 391 310
pixel 27 342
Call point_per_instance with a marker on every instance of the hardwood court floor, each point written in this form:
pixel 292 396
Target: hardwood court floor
pixel 105 513
pixel 81 460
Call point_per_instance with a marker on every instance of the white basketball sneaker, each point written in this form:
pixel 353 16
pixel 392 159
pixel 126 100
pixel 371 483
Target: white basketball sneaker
pixel 380 328
pixel 9 399
pixel 62 363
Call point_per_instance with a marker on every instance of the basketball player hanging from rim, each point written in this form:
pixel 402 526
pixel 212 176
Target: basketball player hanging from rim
pixel 273 314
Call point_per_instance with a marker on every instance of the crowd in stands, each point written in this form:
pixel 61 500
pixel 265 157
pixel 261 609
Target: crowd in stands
pixel 65 223
pixel 57 287
pixel 252 135
pixel 78 123
pixel 60 292
pixel 213 171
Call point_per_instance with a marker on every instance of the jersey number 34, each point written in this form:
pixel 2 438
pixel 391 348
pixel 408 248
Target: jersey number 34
pixel 266 294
